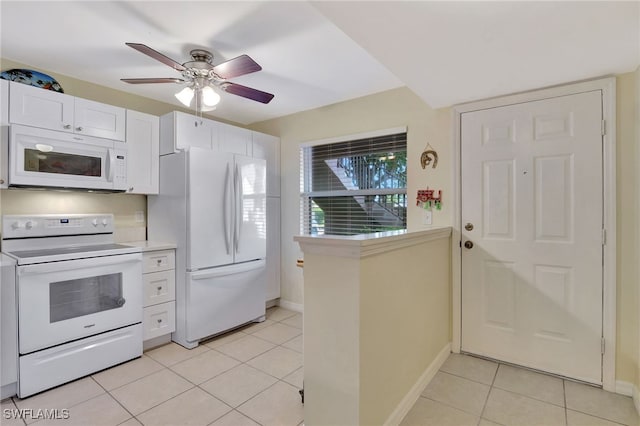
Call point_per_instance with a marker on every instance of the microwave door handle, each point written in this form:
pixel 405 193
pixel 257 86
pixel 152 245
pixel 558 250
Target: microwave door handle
pixel 111 162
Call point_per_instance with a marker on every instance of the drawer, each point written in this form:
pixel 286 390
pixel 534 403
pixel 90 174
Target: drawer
pixel 159 320
pixel 154 261
pixel 159 287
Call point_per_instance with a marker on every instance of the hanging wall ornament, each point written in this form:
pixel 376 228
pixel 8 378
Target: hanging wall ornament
pixel 429 155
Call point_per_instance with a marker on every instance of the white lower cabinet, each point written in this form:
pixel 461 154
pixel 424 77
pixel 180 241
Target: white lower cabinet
pixel 159 281
pixel 159 320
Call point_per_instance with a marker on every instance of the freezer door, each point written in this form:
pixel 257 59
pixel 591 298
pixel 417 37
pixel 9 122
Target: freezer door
pixel 210 217
pixel 251 202
pixel 220 299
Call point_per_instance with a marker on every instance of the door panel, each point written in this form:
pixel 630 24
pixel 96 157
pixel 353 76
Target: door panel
pixel 251 232
pixel 210 211
pixel 532 188
pixel 219 299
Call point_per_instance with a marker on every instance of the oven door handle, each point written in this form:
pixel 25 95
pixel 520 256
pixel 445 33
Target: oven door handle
pixel 46 268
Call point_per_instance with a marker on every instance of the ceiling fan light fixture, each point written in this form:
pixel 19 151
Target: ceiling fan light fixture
pixel 185 96
pixel 209 96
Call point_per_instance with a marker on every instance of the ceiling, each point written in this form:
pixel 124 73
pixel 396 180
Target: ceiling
pixel 319 53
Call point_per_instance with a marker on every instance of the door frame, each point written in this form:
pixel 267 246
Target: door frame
pixel 608 87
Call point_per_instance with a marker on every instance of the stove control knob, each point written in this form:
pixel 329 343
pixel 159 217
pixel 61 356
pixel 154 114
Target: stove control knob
pixel 94 222
pixel 30 224
pixel 104 222
pixel 16 225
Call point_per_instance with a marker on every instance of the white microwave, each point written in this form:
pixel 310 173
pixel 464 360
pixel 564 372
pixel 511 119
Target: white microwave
pixel 48 158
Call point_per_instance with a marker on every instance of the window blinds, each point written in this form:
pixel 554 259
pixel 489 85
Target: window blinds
pixel 354 187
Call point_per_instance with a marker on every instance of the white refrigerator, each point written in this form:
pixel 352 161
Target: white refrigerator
pixel 212 205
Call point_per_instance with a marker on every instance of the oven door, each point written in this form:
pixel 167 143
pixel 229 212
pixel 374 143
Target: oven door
pixel 63 301
pixel 40 157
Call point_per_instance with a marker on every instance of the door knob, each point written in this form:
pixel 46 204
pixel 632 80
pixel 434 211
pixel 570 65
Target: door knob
pixel 468 244
pixel 469 227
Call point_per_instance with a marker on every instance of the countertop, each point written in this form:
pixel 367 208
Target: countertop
pixel 368 244
pixel 151 245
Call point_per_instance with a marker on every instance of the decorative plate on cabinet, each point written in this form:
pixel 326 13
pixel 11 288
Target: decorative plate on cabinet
pixel 32 78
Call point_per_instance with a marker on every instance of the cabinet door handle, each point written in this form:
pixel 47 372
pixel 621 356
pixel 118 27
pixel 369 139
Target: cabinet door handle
pixel 67 126
pixel 79 128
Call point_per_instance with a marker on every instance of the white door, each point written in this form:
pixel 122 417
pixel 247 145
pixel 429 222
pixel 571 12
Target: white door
pixel 210 209
pixel 251 197
pixel 532 207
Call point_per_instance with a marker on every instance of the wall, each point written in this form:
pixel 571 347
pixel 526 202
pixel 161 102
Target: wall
pixel 400 107
pixel 404 313
pixel 393 108
pixel 627 224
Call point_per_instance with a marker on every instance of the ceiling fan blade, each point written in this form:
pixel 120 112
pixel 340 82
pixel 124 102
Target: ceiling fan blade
pixel 236 67
pixel 248 92
pixel 151 80
pixel 156 55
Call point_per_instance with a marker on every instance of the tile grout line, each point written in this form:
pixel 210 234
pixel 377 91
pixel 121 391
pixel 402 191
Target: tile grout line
pixel 116 400
pixel 493 381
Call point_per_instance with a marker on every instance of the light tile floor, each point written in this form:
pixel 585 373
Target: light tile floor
pixel 474 391
pixel 251 376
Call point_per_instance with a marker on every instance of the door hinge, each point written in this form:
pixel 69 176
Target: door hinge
pixel 602 346
pixel 604 127
pixel 604 237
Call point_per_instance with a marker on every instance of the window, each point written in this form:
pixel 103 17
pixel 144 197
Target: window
pixel 355 186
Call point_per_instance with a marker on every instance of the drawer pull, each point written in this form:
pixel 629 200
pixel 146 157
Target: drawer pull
pixel 159 321
pixel 159 288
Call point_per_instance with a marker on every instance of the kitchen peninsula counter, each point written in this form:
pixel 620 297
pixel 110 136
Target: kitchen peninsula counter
pixel 376 322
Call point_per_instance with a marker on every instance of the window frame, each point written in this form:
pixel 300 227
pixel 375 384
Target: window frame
pixel 305 175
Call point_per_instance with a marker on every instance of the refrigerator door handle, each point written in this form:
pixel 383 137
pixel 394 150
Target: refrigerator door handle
pixel 240 207
pixel 236 232
pixel 236 268
pixel 227 208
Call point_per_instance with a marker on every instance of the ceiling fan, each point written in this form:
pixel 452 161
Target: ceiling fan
pixel 201 76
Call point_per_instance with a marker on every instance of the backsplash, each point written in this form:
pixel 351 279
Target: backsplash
pixel 122 206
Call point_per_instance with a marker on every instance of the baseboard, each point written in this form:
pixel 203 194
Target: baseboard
pixel 298 307
pixel 271 303
pixel 414 393
pixel 624 388
pixel 9 390
pixel 636 398
pixel 155 342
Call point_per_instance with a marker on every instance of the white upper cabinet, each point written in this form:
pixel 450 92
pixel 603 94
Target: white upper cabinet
pixel 143 146
pixel 268 147
pixel 33 106
pixel 179 131
pixel 37 107
pixel 4 132
pixel 234 139
pixel 99 120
